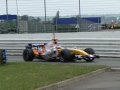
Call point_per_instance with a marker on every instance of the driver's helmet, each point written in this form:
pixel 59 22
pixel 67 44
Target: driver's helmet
pixel 55 41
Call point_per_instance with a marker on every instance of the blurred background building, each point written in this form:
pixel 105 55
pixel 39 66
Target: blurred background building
pixel 45 16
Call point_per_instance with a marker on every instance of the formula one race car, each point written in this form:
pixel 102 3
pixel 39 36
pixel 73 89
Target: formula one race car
pixel 47 52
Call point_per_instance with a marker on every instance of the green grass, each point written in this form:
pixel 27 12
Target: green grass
pixel 31 75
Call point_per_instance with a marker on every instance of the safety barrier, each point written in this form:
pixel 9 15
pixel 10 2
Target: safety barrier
pixel 105 47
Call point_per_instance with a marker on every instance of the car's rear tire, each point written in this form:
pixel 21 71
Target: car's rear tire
pixel 66 56
pixel 89 51
pixel 28 55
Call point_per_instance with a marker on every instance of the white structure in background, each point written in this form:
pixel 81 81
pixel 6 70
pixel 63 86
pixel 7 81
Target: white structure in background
pixel 117 19
pixel 23 26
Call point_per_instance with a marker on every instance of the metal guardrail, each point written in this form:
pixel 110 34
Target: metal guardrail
pixel 104 47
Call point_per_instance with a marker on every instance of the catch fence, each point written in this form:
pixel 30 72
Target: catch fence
pixel 45 16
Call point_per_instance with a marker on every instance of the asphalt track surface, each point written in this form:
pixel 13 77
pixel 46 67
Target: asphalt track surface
pixel 104 81
pixel 112 62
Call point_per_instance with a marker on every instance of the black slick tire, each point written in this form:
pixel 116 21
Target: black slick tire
pixel 28 55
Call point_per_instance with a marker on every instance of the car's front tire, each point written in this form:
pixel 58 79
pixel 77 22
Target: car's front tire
pixel 91 52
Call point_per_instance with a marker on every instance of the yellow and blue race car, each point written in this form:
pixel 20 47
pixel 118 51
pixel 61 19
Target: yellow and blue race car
pixel 54 52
